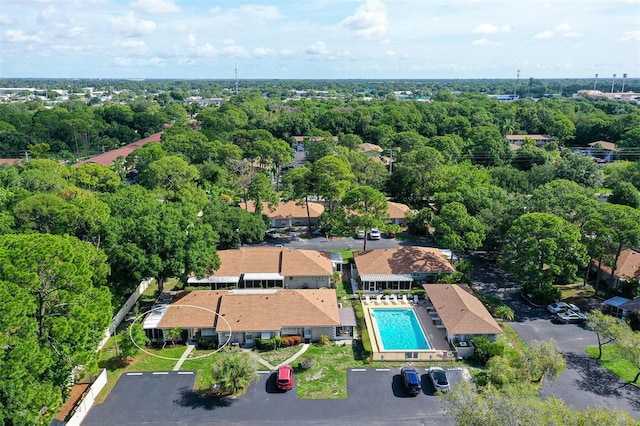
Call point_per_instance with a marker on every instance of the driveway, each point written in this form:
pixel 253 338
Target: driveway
pixel 375 398
pixel 584 383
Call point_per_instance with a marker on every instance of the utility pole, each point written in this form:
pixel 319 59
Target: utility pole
pixel 515 89
pixel 595 81
pixel 236 69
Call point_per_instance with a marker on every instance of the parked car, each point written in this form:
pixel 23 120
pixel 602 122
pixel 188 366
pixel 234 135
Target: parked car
pixel 556 307
pixel 410 381
pixel 571 316
pixel 439 379
pixel 284 380
pixel 273 234
pixel 360 234
pixel 374 234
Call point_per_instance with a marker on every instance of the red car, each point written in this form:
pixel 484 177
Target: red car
pixel 284 381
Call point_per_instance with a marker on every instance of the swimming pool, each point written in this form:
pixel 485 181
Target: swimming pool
pixel 399 329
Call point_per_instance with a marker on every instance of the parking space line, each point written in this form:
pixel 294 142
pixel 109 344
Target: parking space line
pixel 185 372
pixel 358 369
pixel 383 369
pixel 264 372
pixel 157 373
pixel 134 374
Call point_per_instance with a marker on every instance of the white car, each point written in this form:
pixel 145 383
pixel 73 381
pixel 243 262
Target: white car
pixel 556 307
pixel 571 316
pixel 273 234
pixel 360 234
pixel 439 379
pixel 374 234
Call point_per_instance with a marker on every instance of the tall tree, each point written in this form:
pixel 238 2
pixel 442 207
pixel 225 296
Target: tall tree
pixel 55 311
pixel 332 177
pixel 259 190
pixel 542 248
pixel 458 230
pixel 366 207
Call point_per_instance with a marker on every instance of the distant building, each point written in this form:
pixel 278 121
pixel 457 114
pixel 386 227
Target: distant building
pixel 540 140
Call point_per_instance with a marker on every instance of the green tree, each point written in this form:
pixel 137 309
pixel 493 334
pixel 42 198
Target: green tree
pixel 298 186
pixel 542 248
pixel 332 177
pixel 504 312
pixel 55 311
pixel 233 373
pixel 133 338
pixel 259 191
pixel 173 334
pixel 456 229
pixel 605 326
pixel 96 177
pixel 541 359
pixel 626 194
pixel 366 207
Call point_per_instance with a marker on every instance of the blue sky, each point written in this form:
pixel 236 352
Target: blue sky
pixel 319 39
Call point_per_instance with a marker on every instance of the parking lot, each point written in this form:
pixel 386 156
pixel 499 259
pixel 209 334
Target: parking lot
pixel 375 398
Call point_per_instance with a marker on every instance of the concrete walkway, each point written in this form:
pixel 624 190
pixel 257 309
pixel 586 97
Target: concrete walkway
pixel 184 356
pixel 292 358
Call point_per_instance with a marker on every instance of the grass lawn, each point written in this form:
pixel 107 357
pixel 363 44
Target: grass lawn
pixel 613 362
pixel 279 356
pixel 202 366
pixel 327 379
pixel 577 291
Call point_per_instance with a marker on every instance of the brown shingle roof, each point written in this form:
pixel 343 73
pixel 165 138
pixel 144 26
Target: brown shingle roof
pixel 607 146
pixel 369 147
pixel 403 260
pixel 273 260
pixel 397 210
pixel 532 137
pixel 461 312
pixel 287 209
pixel 254 310
pixel 628 264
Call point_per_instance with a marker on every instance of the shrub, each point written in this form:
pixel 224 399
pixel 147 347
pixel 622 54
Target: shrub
pixel 484 349
pixel 307 362
pixel 544 295
pixel 324 340
pixel 291 340
pixel 265 344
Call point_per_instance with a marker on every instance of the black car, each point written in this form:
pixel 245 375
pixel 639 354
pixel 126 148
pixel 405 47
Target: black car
pixel 410 381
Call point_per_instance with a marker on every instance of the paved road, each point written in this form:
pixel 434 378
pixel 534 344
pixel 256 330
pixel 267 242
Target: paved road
pixel 375 398
pixel 584 383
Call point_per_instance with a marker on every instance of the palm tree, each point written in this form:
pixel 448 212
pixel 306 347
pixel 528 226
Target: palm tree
pixel 233 374
pixel 504 312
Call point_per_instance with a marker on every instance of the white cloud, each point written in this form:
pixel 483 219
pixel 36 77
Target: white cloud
pixel 369 20
pixel 491 29
pixel 137 47
pixel 52 17
pixel 75 33
pixel 317 48
pixel 19 36
pixel 255 12
pixel 480 41
pixel 155 61
pixel 207 49
pixel 261 52
pixel 563 27
pixel 130 26
pixel 121 62
pixel 191 39
pixel 390 53
pixel 631 36
pixel 572 34
pixel 235 51
pixel 544 34
pixel 155 7
pixel 5 19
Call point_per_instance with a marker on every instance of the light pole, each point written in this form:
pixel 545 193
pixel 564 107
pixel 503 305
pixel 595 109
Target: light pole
pixel 594 82
pixel 624 76
pixel 613 82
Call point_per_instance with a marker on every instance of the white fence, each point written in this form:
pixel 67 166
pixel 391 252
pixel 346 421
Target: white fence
pixel 89 397
pixel 117 319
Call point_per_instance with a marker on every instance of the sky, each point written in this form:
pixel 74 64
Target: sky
pixel 319 39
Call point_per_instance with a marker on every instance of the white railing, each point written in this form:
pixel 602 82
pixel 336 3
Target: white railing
pixel 124 310
pixel 85 404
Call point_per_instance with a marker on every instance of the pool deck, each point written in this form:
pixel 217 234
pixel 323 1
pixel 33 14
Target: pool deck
pixel 440 349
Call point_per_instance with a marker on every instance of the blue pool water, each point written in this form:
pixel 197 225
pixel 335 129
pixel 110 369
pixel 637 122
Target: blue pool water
pixel 399 329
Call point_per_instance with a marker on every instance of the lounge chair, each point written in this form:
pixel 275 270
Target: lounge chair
pixel 404 299
pixel 386 299
pixel 379 299
pixel 394 299
pixel 415 299
pixel 368 299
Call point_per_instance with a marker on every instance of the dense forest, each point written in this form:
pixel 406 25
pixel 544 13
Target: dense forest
pixel 74 241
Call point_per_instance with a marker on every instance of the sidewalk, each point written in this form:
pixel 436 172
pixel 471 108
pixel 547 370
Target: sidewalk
pixel 184 356
pixel 292 358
